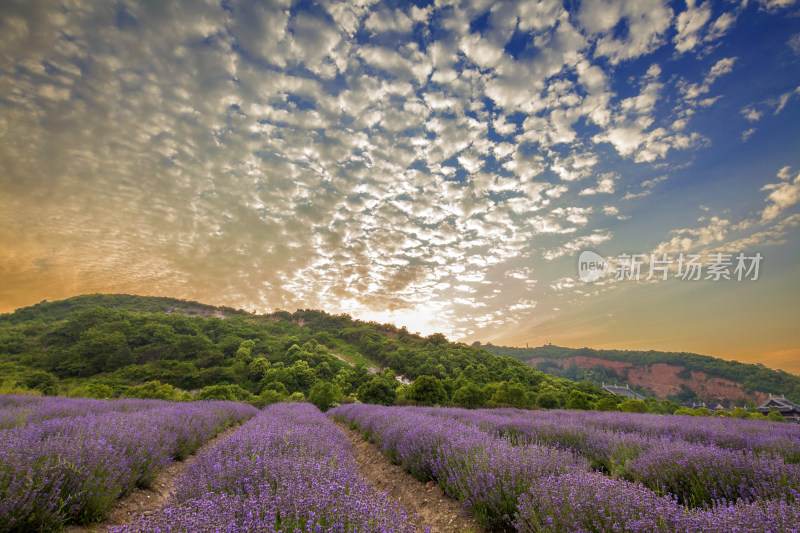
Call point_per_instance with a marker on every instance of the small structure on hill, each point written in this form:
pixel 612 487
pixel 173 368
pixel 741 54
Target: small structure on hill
pixel 622 391
pixel 789 410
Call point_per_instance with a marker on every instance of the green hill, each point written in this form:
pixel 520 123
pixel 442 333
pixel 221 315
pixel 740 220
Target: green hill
pixel 692 376
pixel 123 345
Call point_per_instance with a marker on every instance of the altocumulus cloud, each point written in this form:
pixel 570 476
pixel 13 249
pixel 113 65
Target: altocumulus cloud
pixel 422 163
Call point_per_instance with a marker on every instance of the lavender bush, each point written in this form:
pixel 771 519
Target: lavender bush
pixel 701 476
pixel 756 517
pixel 288 470
pixel 587 502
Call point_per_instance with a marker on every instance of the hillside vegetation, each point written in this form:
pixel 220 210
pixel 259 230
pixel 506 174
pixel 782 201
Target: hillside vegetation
pixel 753 379
pixel 129 346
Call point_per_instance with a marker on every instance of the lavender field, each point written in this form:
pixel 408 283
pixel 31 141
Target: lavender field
pixel 290 469
pixel 573 471
pixel 67 460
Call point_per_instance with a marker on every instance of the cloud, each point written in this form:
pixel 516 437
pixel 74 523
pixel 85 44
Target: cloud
pixel 605 185
pixel 751 114
pixel 783 195
pixel 647 22
pixel 693 28
pixel 776 5
pixel 689 23
pixel 794 43
pixel 392 162
pixel 784 99
pixel 580 243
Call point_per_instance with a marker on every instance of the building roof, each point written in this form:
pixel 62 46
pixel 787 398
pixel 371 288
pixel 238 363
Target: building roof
pixel 780 404
pixel 622 391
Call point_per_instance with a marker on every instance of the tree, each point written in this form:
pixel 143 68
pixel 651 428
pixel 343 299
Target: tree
pixel 606 404
pixel 258 368
pixel 547 400
pixel 99 390
pixel 775 416
pixel 267 397
pixel 633 406
pixel 232 393
pixel 578 400
pixel 44 382
pixel 470 396
pixel 156 390
pixel 324 395
pixel 427 390
pixel 377 391
pixel 510 394
pixel 276 386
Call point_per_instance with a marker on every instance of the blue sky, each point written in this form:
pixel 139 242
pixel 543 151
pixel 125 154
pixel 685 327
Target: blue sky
pixel 438 165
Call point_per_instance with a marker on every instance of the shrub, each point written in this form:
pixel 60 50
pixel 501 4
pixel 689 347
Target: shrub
pixel 633 406
pixel 377 391
pixel 427 390
pixel 324 395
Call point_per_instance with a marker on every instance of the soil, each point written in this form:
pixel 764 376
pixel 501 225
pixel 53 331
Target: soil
pixel 146 501
pixel 425 503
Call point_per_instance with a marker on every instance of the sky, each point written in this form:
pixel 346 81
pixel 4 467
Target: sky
pixel 436 165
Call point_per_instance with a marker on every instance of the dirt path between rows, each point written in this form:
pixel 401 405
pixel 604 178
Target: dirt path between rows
pixel 433 507
pixel 145 501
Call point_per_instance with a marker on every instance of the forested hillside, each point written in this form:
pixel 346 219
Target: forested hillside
pixel 597 366
pixel 121 345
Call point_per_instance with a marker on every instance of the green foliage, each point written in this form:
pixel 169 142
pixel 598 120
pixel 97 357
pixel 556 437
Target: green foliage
pixel 775 416
pixel 377 391
pixel 232 393
pixel 470 396
pixel 548 400
pixel 427 390
pixel 44 382
pixel 633 406
pixel 156 390
pixel 607 404
pixel 578 400
pixel 324 395
pixel 98 391
pixel 297 397
pixel 702 411
pixel 510 394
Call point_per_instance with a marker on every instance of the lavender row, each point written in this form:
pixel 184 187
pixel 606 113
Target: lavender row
pixel 18 411
pixel 751 436
pixel 288 470
pixel 72 469
pixel 486 473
